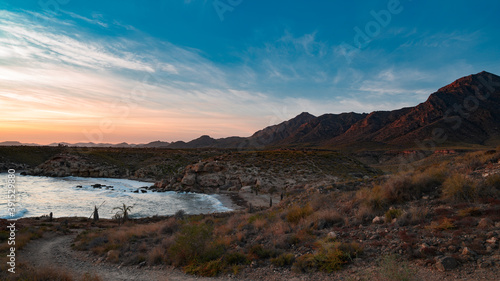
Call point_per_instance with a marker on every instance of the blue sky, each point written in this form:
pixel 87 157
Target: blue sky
pixel 138 71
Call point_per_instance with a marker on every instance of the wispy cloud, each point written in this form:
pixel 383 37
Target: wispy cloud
pixel 95 20
pixel 59 74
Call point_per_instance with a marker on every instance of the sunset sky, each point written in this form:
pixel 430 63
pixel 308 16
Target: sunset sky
pixel 141 71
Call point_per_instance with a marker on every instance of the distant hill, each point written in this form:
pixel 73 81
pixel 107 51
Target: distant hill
pixel 463 113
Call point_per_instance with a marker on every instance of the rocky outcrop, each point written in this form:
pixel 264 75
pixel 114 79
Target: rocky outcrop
pixel 64 165
pixel 267 172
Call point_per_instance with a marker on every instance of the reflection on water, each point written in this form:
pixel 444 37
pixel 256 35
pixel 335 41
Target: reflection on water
pixel 74 196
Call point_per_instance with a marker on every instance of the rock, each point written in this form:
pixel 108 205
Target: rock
pixel 492 240
pixel 332 235
pixel 189 179
pixel 468 252
pixel 482 263
pixel 446 263
pixel 247 180
pixel 211 180
pixel 378 220
pixel 246 189
pixel 485 223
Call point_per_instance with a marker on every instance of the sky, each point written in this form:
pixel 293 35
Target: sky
pixel 141 71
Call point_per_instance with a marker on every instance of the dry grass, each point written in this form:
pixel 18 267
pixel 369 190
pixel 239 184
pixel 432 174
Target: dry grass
pixel 460 188
pixel 297 213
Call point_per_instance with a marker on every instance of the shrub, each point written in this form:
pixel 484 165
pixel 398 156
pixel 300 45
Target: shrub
pixel 493 181
pixel 236 258
pixel 262 253
pixel 364 213
pixel 305 263
pixel 208 269
pixel 332 260
pixel 413 216
pixel 427 180
pixel 459 188
pixel 191 243
pixel 391 269
pixel 329 257
pixel 328 218
pixel 296 213
pixel 392 214
pixel 443 224
pixel 283 260
pixel 471 211
pixel 156 255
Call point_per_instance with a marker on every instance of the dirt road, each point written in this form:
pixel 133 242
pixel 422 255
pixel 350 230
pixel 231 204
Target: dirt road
pixel 55 251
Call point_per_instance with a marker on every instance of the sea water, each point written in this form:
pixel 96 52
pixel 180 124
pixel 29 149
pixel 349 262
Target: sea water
pixel 76 196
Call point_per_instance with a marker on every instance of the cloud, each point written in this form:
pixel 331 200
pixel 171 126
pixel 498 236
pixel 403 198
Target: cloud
pixel 96 18
pixel 58 74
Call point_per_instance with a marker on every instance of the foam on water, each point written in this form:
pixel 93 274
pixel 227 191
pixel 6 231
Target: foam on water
pixel 38 196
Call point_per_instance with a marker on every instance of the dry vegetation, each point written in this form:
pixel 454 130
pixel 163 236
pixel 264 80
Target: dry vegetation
pixel 436 210
pixel 321 231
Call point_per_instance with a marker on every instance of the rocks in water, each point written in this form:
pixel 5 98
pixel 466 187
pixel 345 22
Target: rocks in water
pixel 97 185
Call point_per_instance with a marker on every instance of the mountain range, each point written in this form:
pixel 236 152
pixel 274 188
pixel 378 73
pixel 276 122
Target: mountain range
pixel 463 113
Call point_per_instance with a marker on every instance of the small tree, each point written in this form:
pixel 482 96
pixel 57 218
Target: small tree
pixel 123 211
pixel 96 214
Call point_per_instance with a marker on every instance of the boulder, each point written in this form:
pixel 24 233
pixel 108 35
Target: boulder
pixel 247 180
pixel 378 220
pixel 211 180
pixel 332 235
pixel 446 263
pixel 189 179
pixel 485 223
pixel 246 189
pixel 468 252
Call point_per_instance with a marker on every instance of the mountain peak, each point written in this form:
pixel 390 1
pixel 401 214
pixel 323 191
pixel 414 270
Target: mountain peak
pixel 305 115
pixel 470 80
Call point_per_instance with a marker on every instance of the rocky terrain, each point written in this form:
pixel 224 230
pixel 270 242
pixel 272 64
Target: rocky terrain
pixel 278 171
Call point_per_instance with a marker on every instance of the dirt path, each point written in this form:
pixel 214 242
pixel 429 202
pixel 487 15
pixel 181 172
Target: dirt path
pixel 56 252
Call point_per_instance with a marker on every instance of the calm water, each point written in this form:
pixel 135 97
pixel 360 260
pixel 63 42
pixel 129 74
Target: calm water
pixel 38 196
